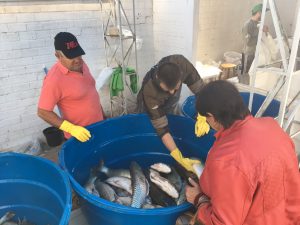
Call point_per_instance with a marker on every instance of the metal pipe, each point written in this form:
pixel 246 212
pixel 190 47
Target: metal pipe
pixel 122 53
pixel 258 46
pixel 290 70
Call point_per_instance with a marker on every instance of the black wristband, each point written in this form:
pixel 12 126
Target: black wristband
pixel 196 200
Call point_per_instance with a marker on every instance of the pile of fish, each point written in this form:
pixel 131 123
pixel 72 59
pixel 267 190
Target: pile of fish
pixel 160 185
pixel 9 219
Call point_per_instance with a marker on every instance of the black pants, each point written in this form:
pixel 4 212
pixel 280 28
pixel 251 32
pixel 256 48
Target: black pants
pixel 246 65
pixel 244 76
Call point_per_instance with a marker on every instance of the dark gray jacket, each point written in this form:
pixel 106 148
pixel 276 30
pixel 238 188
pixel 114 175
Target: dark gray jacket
pixel 250 33
pixel 157 102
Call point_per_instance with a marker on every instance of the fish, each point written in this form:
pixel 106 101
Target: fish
pixel 121 192
pixel 105 191
pixel 161 167
pixel 184 174
pixel 148 199
pixel 7 216
pixel 90 186
pixel 150 206
pixel 182 197
pixel 140 185
pixel 113 172
pixel 163 184
pixel 120 182
pixel 174 179
pixel 158 196
pixel 124 200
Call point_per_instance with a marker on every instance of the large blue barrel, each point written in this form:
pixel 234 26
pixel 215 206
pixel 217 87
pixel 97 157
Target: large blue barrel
pixel 118 141
pixel 35 189
pixel 188 106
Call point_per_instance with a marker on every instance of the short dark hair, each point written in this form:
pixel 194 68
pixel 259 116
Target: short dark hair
pixel 169 74
pixel 223 101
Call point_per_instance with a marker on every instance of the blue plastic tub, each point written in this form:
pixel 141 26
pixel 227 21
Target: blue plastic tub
pixel 188 106
pixel 118 141
pixel 34 188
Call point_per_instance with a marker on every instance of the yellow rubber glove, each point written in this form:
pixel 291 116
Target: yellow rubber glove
pixel 201 126
pixel 185 162
pixel 80 133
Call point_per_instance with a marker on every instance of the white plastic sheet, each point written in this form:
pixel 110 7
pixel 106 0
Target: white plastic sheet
pixel 103 77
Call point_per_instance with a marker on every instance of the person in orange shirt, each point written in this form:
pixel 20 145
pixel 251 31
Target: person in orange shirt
pixel 70 85
pixel 251 174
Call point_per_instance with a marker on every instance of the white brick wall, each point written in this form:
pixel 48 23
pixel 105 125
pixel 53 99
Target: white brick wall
pixel 197 29
pixel 220 27
pixel 175 30
pixel 27 30
pixel 221 22
pixel 173 27
pixel 287 15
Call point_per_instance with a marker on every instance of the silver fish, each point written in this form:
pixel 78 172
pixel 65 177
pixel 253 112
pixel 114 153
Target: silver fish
pixel 140 185
pixel 163 184
pixel 161 167
pixel 121 192
pixel 120 182
pixel 182 197
pixel 148 206
pixel 114 172
pixel 105 191
pixel 90 186
pixel 8 216
pixel 183 173
pixel 158 196
pixel 148 200
pixel 174 179
pixel 124 200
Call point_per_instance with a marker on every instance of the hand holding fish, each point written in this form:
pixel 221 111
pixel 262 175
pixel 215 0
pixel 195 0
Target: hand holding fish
pixel 192 191
pixel 185 162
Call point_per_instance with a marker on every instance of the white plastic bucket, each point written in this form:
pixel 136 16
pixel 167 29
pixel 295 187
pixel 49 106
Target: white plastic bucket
pixel 233 57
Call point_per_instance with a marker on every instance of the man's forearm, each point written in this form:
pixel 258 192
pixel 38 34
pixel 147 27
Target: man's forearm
pixel 168 141
pixel 50 117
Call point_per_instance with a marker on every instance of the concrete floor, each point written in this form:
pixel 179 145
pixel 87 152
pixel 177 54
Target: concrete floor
pixel 77 218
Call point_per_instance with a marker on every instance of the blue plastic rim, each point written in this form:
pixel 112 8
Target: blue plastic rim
pixel 118 141
pixel 34 188
pixel 188 106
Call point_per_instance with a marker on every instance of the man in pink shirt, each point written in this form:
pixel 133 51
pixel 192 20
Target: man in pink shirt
pixel 70 85
pixel 251 174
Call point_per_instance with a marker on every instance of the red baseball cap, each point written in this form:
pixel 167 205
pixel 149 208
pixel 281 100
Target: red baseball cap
pixel 68 44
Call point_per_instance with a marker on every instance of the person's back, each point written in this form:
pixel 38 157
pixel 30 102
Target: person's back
pixel 251 174
pixel 267 158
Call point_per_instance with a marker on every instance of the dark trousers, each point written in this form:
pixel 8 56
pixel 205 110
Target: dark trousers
pixel 247 61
